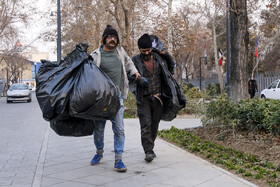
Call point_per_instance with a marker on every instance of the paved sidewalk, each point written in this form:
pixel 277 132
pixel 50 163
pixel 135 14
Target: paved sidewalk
pixel 65 161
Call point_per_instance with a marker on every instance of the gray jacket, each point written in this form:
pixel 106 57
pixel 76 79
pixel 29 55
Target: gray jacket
pixel 128 65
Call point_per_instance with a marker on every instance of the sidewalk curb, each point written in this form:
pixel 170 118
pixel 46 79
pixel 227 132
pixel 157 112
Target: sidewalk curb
pixel 37 180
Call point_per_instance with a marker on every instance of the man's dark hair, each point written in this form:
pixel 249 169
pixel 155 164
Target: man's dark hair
pixel 145 42
pixel 109 30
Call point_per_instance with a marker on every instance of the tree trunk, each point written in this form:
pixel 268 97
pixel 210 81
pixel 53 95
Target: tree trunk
pixel 169 36
pixel 123 14
pixel 105 11
pixel 218 68
pixel 239 50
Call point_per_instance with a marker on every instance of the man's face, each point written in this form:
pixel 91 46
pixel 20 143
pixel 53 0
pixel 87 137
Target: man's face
pixel 111 42
pixel 146 53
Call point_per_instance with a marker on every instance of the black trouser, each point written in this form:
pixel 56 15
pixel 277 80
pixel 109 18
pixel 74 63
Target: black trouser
pixel 252 94
pixel 149 113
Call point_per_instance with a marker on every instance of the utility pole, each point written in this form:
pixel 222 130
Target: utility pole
pixel 58 32
pixel 200 71
pixel 228 48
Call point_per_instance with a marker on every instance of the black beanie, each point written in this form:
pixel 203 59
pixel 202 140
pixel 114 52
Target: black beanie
pixel 145 42
pixel 109 30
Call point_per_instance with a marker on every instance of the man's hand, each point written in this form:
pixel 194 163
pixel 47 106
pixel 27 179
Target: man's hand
pixel 162 52
pixel 142 81
pixel 137 75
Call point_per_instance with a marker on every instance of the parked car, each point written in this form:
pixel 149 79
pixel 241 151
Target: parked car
pixel 32 88
pixel 19 92
pixel 273 91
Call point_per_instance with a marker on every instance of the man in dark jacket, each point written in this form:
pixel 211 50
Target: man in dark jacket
pixel 150 104
pixel 252 87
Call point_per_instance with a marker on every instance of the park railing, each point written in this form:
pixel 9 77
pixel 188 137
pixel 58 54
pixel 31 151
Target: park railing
pixel 265 79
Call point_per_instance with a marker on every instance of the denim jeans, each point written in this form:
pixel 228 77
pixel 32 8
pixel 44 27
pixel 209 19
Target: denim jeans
pixel 118 129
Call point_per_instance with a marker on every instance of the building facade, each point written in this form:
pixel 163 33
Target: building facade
pixel 33 57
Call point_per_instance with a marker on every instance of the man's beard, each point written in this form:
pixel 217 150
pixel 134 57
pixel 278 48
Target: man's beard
pixel 146 57
pixel 110 46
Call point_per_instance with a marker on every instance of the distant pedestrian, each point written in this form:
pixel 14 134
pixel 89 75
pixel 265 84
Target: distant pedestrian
pixel 252 87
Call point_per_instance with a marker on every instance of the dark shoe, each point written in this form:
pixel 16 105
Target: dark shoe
pixel 96 159
pixel 154 155
pixel 119 166
pixel 149 157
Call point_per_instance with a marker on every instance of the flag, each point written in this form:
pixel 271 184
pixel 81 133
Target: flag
pixel 256 48
pixel 205 54
pixel 220 57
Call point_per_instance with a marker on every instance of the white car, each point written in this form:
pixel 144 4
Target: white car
pixel 32 88
pixel 273 91
pixel 19 92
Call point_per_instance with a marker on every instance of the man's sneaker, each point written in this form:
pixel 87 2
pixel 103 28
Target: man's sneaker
pixel 149 157
pixel 96 159
pixel 119 166
pixel 154 155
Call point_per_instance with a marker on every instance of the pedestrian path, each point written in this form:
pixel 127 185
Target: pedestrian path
pixel 65 161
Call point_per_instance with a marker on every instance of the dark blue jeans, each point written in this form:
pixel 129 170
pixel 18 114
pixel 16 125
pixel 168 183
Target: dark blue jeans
pixel 118 129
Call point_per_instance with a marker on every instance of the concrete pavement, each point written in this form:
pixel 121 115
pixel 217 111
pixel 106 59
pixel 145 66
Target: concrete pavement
pixel 64 161
pixel 33 155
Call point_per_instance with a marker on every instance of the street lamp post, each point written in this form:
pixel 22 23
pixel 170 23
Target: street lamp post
pixel 200 71
pixel 228 48
pixel 7 76
pixel 58 32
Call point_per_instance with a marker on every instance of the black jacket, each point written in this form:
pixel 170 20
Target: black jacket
pixel 172 96
pixel 252 86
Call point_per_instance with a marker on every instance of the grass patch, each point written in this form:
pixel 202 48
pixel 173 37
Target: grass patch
pixel 249 166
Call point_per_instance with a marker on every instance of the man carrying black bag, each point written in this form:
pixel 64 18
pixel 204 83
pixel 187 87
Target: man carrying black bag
pixel 158 97
pixel 113 60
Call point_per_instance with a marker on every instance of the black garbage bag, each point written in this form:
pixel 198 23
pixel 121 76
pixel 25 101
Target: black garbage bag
pixel 75 88
pixel 73 127
pixel 158 46
pixel 173 99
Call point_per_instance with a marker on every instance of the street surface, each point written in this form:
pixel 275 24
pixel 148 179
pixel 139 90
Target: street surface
pixel 33 155
pixel 22 131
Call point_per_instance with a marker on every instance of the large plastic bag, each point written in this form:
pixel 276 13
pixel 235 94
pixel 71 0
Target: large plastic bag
pixel 73 127
pixel 158 46
pixel 173 98
pixel 75 88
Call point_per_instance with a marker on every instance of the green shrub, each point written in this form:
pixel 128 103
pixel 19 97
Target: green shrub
pixel 213 90
pixel 130 106
pixel 251 114
pixel 193 93
pixel 219 111
pixel 187 86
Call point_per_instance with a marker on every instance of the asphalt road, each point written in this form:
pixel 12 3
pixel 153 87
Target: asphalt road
pixel 22 131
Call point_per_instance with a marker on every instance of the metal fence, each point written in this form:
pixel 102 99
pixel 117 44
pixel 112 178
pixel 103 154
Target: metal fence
pixel 205 82
pixel 265 79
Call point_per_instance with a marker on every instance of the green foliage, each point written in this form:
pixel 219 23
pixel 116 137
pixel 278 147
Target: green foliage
pixel 247 115
pixel 187 87
pixel 130 106
pixel 213 90
pixel 193 93
pixel 243 163
pixel 193 105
